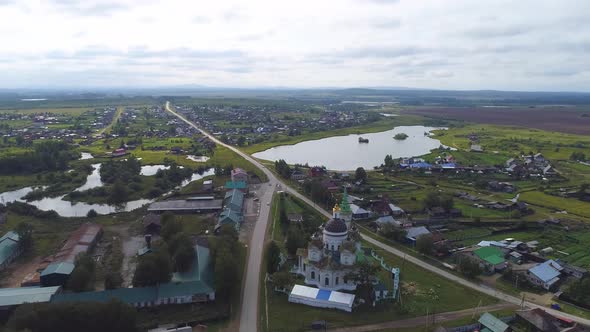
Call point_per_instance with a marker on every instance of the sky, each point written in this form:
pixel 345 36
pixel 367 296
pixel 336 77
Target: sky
pixel 532 45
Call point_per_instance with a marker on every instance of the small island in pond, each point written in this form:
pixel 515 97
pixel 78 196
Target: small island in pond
pixel 363 140
pixel 400 136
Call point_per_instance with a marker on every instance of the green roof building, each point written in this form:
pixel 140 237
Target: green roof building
pixel 9 248
pixel 12 297
pixel 491 257
pixel 234 199
pixel 229 216
pixel 56 274
pixel 239 185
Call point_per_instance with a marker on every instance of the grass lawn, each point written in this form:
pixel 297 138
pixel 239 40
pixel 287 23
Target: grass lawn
pixel 74 111
pixel 571 205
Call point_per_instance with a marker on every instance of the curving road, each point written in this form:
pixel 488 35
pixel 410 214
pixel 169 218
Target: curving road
pixel 249 313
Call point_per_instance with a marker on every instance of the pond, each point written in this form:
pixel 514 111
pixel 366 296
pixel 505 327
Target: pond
pixel 345 153
pixel 149 170
pixel 85 156
pixel 78 209
pixel 199 159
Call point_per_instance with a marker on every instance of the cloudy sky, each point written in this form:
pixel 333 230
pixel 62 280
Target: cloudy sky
pixel 444 44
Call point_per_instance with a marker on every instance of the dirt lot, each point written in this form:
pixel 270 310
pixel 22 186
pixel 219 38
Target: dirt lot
pixel 561 119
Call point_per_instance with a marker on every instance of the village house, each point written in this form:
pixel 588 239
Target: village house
pixel 298 175
pixel 152 223
pixel 413 233
pixel 239 175
pixel 545 275
pixel 9 248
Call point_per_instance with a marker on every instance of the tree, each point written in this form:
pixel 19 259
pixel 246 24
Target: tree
pixel 392 232
pixel 25 235
pixel 118 193
pixel 113 280
pixel 273 253
pixel 360 174
pixel 469 268
pixel 363 277
pixel 282 279
pixel 295 240
pixel 91 214
pixel 113 316
pixel 425 244
pixel 434 199
pixel 580 290
pixel 170 227
pixel 80 280
pixel 182 251
pixel 241 141
pixel 153 269
pixel 226 272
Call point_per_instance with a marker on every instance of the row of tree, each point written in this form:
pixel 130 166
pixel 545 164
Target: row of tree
pixel 46 156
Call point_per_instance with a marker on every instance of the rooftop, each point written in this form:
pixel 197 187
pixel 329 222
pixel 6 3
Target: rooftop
pixel 8 245
pixel 492 323
pixel 184 205
pixel 17 296
pixel 547 271
pixel 491 254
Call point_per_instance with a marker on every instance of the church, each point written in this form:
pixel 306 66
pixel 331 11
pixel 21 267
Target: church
pixel 333 252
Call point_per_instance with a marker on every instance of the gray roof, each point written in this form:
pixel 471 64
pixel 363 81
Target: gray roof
pixel 184 205
pixel 415 232
pixel 17 296
pixel 8 245
pixel 493 323
pixel 547 271
pixel 59 268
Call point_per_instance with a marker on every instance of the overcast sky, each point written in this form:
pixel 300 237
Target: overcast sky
pixel 444 44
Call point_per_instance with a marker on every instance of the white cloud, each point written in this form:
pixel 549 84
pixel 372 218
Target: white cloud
pixel 461 44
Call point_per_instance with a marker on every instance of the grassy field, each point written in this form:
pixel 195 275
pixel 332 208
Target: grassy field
pixel 73 111
pixel 570 205
pixel 512 140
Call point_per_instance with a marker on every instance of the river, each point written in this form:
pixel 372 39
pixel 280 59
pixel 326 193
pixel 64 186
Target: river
pixel 345 153
pixel 78 209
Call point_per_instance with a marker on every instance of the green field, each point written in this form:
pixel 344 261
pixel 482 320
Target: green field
pixel 73 111
pixel 571 205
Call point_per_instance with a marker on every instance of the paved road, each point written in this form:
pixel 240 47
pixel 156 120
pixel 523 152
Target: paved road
pixel 249 308
pixel 248 320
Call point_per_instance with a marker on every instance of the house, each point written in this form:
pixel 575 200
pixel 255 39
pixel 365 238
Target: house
pixel 491 259
pixel 381 207
pixel 9 248
pixel 229 216
pixel 317 171
pixel 388 220
pixel 437 212
pixel 414 232
pixel 298 175
pixel 538 320
pixel 152 223
pixel 396 211
pixel 358 212
pixel 330 185
pixel 176 150
pixel 572 270
pixel 207 185
pixel 515 257
pixel 539 159
pixel 234 200
pixel 119 152
pixel 545 275
pixel 490 323
pixel 239 175
pixel 549 171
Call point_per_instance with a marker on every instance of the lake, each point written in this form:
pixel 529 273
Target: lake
pixel 345 153
pixel 72 209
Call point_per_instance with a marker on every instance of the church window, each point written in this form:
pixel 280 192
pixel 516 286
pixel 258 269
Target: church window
pixel 304 265
pixel 312 275
pixel 337 280
pixel 327 281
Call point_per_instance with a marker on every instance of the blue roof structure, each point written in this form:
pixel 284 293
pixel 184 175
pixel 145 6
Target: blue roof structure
pixel 323 294
pixel 547 271
pixel 414 232
pixel 420 165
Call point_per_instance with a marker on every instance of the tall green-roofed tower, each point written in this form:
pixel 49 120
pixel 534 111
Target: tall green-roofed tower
pixel 345 210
